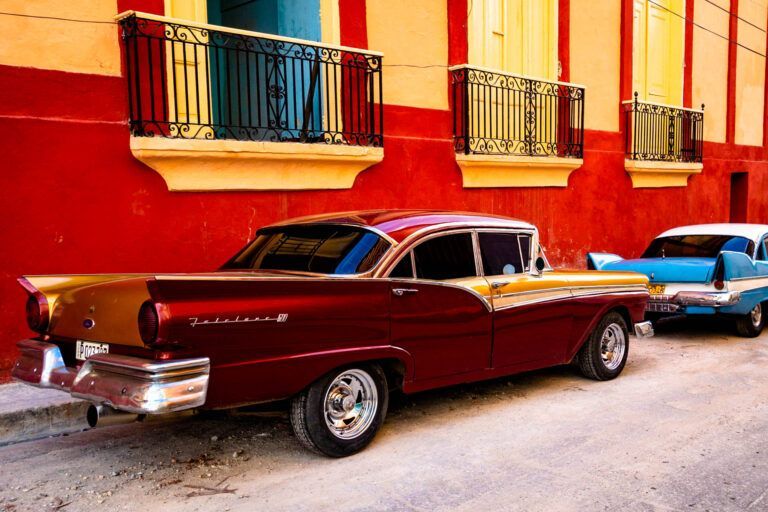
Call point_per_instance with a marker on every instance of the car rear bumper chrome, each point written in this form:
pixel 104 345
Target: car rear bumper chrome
pixel 131 384
pixel 678 302
pixel 644 329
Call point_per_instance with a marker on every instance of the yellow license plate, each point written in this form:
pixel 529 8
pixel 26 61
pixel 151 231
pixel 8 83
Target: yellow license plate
pixel 656 289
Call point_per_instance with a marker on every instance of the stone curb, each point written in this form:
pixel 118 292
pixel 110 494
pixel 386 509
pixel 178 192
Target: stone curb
pixel 28 413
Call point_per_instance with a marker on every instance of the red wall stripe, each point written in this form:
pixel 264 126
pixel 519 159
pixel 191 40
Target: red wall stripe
pixel 688 56
pixel 564 39
pixel 352 24
pixel 458 46
pixel 625 80
pixel 733 34
pixel 765 98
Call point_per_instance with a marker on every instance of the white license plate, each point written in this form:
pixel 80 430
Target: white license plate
pixel 85 349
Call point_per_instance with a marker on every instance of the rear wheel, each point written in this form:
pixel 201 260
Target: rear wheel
pixel 751 324
pixel 604 354
pixel 341 412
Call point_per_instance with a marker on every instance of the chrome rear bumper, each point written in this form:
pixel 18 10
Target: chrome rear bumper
pixel 644 329
pixel 673 303
pixel 131 384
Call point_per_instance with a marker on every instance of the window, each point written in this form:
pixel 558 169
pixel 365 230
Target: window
pixel 505 253
pixel 326 249
pixel 404 268
pixel 762 253
pixel 446 257
pixel 518 36
pixel 657 50
pixel 697 246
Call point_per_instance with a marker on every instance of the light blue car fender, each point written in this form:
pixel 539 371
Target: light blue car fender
pixel 746 276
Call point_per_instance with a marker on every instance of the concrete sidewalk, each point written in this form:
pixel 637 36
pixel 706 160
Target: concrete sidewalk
pixel 28 413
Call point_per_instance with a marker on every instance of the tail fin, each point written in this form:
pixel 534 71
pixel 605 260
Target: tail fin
pixel 599 260
pixel 734 265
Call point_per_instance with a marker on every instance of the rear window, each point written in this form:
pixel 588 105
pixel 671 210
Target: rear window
pixel 323 249
pixel 697 246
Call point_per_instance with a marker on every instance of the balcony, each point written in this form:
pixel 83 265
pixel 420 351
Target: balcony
pixel 664 144
pixel 511 130
pixel 285 107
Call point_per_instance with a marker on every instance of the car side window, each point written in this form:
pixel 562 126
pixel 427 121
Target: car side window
pixel 445 257
pixel 762 252
pixel 403 269
pixel 505 253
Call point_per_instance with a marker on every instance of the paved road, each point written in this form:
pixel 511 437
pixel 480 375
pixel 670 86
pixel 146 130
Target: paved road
pixel 684 428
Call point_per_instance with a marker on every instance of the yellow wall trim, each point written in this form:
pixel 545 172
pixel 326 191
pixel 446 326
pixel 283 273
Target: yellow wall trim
pixel 56 44
pixel 516 171
pixel 647 174
pixel 205 165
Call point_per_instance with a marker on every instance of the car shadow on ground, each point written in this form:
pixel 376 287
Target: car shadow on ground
pixel 701 328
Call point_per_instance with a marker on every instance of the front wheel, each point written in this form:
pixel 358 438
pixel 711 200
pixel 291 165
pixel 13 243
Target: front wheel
pixel 604 354
pixel 751 324
pixel 341 412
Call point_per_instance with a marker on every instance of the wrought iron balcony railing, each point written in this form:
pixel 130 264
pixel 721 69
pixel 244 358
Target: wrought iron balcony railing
pixel 499 113
pixel 662 132
pixel 197 81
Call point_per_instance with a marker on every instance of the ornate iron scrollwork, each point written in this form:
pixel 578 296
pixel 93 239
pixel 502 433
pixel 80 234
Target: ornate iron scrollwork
pixel 503 114
pixel 196 82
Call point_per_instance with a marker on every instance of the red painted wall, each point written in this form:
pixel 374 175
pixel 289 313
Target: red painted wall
pixel 74 200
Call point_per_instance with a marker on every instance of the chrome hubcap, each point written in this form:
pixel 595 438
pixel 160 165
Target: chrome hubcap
pixel 757 315
pixel 351 403
pixel 612 346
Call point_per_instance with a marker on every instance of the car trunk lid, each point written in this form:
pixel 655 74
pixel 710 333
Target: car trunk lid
pixel 669 270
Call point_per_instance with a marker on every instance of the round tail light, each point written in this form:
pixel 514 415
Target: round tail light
pixel 37 313
pixel 719 285
pixel 148 322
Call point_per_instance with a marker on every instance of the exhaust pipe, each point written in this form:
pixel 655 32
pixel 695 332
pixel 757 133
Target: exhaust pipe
pixel 104 416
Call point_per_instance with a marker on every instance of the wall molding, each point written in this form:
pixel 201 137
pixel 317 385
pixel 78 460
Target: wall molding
pixel 209 165
pixel 516 171
pixel 653 174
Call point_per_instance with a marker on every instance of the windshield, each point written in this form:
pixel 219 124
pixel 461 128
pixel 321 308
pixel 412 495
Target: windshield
pixel 322 249
pixel 697 246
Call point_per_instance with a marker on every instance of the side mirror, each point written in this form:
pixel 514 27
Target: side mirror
pixel 540 265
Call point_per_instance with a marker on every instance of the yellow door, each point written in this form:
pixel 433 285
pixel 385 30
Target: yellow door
pixel 658 44
pixel 188 86
pixel 517 36
pixel 514 36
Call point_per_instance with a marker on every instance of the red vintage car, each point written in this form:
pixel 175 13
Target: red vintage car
pixel 332 312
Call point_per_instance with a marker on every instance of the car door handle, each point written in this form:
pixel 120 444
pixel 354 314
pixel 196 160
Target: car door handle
pixel 499 284
pixel 402 291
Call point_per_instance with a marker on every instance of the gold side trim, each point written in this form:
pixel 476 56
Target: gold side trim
pixel 562 297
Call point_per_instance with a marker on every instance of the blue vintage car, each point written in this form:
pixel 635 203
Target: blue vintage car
pixel 706 269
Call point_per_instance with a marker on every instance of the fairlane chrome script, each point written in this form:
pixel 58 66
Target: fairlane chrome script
pixel 281 318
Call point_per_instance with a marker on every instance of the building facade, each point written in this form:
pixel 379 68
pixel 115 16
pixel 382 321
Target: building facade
pixel 158 135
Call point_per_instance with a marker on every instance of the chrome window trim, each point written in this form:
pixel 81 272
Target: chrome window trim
pixel 408 243
pixel 463 225
pixel 382 234
pixel 517 232
pixel 389 266
pixel 408 254
pixel 369 273
pixel 479 269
